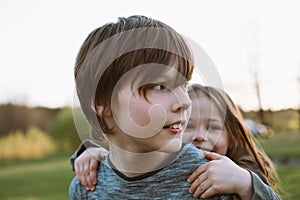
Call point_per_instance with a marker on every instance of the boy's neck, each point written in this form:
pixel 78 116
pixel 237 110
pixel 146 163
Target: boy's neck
pixel 135 164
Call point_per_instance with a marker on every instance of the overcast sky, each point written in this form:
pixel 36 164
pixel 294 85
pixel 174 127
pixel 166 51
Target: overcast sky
pixel 40 39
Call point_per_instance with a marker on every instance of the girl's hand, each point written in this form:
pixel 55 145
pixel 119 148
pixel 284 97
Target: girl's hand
pixel 220 176
pixel 86 166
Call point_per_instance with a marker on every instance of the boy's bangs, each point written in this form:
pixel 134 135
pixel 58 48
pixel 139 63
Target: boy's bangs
pixel 184 67
pixel 160 63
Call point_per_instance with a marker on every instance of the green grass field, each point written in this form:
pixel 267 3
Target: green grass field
pixel 284 145
pixel 50 178
pixel 290 178
pixel 47 179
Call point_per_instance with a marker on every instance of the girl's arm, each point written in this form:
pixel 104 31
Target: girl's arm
pixel 222 176
pixel 85 163
pixel 82 147
pixel 262 190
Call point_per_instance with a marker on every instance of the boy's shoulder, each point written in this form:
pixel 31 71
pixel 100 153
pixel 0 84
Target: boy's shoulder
pixel 76 190
pixel 190 151
pixel 189 157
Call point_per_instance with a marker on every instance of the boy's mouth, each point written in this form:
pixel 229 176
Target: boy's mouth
pixel 176 125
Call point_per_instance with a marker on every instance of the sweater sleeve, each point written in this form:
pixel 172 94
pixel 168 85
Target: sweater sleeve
pixel 262 191
pixel 76 191
pixel 83 146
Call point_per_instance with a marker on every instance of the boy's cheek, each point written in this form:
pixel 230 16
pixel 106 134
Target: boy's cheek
pixel 189 112
pixel 143 114
pixel 139 113
pixel 142 121
pixel 188 136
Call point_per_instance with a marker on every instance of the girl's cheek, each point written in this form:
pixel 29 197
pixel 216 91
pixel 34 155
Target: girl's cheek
pixel 220 148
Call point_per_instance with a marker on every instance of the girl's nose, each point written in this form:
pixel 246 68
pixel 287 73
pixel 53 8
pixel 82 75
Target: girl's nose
pixel 200 136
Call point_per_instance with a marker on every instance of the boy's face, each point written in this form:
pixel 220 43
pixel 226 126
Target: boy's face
pixel 156 123
pixel 205 127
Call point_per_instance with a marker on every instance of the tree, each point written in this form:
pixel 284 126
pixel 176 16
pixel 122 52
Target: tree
pixel 299 101
pixel 257 91
pixel 254 52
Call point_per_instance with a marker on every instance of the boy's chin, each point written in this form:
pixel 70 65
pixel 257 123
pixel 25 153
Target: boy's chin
pixel 172 147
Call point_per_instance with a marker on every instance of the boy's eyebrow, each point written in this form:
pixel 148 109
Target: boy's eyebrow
pixel 165 75
pixel 168 78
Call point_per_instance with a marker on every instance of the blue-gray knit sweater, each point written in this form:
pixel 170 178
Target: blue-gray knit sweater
pixel 169 182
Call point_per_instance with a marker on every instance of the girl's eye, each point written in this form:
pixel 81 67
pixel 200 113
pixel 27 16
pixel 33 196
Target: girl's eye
pixel 159 86
pixel 214 127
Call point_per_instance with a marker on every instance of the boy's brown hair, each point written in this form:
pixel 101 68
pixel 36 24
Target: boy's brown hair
pixel 114 49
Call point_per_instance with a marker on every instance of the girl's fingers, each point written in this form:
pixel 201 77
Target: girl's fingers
pixel 197 173
pixel 202 188
pixel 80 173
pixel 77 170
pixel 200 179
pixel 103 154
pixel 212 155
pixel 211 191
pixel 86 175
pixel 93 171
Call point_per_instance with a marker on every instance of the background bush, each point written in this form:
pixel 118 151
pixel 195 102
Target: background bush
pixel 32 144
pixel 62 129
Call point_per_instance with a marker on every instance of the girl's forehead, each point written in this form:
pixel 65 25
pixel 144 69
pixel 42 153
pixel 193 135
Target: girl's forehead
pixel 203 106
pixel 199 97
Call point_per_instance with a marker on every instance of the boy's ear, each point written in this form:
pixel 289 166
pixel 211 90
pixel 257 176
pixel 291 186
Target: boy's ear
pixel 102 111
pixel 99 109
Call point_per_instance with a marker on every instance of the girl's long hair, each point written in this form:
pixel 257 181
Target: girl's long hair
pixel 241 148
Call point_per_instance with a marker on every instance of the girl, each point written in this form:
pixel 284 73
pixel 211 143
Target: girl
pixel 220 128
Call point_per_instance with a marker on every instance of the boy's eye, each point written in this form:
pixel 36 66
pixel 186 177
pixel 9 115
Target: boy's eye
pixel 159 86
pixel 185 86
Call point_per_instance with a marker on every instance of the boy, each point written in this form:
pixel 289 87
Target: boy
pixel 131 79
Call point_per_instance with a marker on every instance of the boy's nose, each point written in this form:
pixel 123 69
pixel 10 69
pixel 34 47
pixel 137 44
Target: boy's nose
pixel 183 101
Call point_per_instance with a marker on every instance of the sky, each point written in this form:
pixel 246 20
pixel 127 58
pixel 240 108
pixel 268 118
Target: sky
pixel 40 40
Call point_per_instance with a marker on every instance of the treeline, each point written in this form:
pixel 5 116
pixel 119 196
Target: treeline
pixel 282 120
pixel 58 124
pixel 18 117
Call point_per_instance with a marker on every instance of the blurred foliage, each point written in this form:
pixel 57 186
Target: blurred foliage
pixel 17 117
pixel 64 132
pixel 32 144
pixel 59 123
pixel 282 120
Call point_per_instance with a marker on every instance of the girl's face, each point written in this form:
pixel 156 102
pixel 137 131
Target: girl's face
pixel 205 128
pixel 156 123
